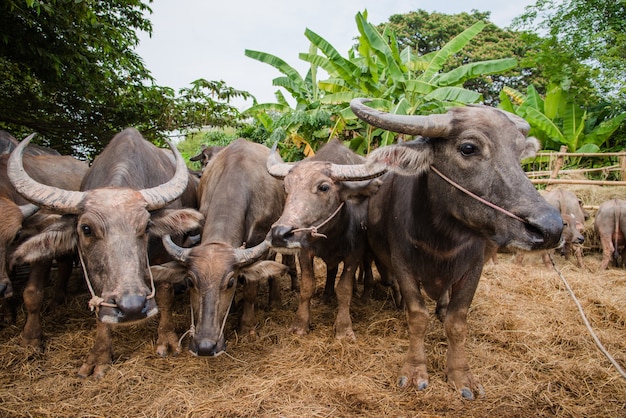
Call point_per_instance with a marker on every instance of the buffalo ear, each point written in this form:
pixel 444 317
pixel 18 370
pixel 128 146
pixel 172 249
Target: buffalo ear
pixel 402 159
pixel 175 221
pixel 171 272
pixel 57 239
pixel 531 147
pixel 357 191
pixel 263 270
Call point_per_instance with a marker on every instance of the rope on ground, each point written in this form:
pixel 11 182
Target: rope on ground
pixel 586 321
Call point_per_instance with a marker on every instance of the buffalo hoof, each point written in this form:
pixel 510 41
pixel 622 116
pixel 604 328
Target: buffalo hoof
pixel 96 370
pixel 470 395
pixel 168 343
pixel 298 330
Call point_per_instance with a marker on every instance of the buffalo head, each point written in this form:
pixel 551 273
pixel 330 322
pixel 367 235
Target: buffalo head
pixel 110 224
pixel 479 149
pixel 214 269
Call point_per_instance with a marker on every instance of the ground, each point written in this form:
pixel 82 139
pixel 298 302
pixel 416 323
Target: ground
pixel 527 344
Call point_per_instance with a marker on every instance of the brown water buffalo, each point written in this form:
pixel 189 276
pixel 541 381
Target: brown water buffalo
pixel 122 202
pixel 466 192
pixel 325 217
pixel 574 217
pixel 240 201
pixel 610 226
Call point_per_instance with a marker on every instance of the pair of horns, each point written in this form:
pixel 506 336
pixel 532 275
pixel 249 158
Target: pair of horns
pixel 68 201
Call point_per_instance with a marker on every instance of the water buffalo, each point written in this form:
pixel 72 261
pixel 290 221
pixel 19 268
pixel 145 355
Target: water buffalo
pixel 609 225
pixel 240 201
pixel 464 193
pixel 122 202
pixel 325 216
pixel 8 143
pixel 574 217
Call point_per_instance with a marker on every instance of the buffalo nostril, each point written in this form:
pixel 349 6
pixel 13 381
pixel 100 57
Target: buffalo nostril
pixel 204 347
pixel 132 306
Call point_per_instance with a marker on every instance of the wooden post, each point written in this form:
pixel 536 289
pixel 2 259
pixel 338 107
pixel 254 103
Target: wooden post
pixel 557 167
pixel 622 164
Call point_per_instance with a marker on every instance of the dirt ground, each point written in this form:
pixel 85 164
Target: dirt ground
pixel 527 344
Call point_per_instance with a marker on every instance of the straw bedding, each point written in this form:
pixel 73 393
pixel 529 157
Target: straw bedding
pixel 526 343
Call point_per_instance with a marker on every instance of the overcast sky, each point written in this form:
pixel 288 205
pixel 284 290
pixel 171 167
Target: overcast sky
pixel 194 39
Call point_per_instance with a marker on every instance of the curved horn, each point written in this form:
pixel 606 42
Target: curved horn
pixel 246 256
pixel 275 166
pixel 160 196
pixel 178 253
pixel 49 197
pixel 28 210
pixel 433 126
pixel 357 172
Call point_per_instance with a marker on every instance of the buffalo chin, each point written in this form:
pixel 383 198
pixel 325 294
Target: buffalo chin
pixel 114 315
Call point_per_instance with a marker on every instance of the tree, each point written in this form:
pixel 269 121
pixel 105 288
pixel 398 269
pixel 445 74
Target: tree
pixel 400 80
pixel 68 71
pixel 426 33
pixel 592 32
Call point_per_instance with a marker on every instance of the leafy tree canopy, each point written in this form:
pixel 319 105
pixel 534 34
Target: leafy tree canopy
pixel 428 32
pixel 68 71
pixel 589 31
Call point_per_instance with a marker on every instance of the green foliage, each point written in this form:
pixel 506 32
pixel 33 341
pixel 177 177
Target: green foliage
pixel 401 81
pixel 68 71
pixel 559 120
pixel 425 33
pixel 585 44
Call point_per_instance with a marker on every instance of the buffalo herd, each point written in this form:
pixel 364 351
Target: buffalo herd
pixel 426 214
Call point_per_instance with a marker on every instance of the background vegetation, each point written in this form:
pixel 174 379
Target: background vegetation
pixel 69 72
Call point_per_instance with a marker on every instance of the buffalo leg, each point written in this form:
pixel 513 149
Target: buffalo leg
pixel 248 318
pixel 455 325
pixel 414 369
pixel 64 271
pixel 329 287
pixel 343 322
pixel 166 340
pixel 302 321
pixel 101 355
pixel 33 303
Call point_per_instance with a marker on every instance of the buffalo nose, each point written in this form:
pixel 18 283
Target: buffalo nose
pixel 133 306
pixel 280 233
pixel 548 228
pixel 205 347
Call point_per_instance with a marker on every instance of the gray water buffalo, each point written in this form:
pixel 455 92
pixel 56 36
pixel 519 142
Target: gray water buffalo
pixel 463 193
pixel 206 154
pixel 130 194
pixel 240 201
pixel 574 216
pixel 610 226
pixel 326 217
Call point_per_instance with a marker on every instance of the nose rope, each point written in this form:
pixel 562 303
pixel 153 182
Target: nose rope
pixel 480 199
pixel 192 328
pixel 96 301
pixel 314 229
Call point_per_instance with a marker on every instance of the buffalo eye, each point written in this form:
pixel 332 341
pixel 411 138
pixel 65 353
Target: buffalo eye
pixel 230 280
pixel 323 187
pixel 85 229
pixel 467 149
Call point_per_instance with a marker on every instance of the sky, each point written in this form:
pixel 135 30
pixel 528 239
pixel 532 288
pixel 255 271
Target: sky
pixel 194 39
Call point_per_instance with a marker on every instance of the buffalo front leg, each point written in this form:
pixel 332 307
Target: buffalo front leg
pixel 167 340
pixel 247 324
pixel 33 302
pixel 344 289
pixel 302 320
pixel 455 325
pixel 101 355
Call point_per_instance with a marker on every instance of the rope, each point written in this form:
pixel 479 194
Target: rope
pixel 586 321
pixel 96 301
pixel 314 229
pixel 480 199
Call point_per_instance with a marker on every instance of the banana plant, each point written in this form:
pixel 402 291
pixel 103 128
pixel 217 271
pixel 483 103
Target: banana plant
pixel 558 120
